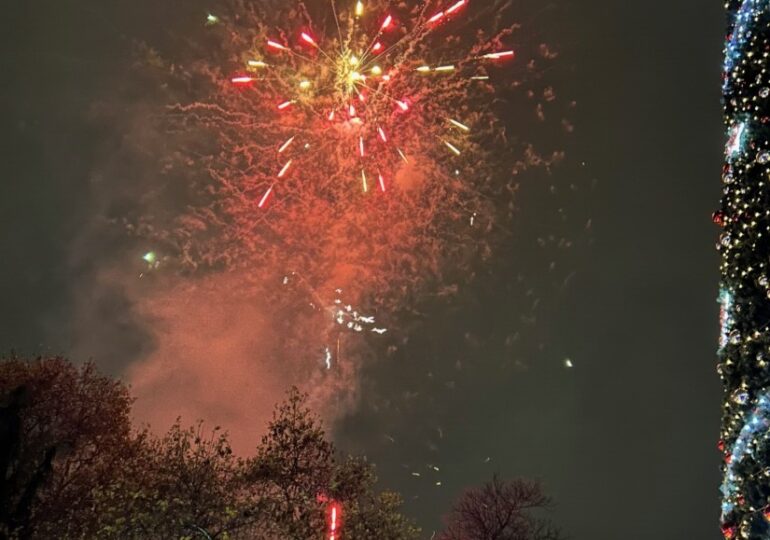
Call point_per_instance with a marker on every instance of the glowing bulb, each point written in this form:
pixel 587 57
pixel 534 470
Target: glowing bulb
pixel 386 22
pixel 304 85
pixel 359 8
pixel 377 47
pixel 376 70
pixel 353 60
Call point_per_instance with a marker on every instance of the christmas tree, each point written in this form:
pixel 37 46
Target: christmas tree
pixel 744 342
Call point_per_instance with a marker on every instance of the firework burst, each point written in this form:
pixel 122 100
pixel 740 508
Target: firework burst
pixel 358 145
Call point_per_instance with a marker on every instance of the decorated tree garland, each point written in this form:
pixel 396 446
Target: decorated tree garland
pixel 744 244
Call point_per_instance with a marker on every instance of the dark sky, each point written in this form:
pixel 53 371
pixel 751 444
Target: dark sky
pixel 624 440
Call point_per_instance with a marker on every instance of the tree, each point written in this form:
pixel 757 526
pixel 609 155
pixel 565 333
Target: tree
pixel 76 469
pixel 500 510
pixel 744 245
pixel 67 429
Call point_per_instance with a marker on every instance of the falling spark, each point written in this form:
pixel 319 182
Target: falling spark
pixel 257 63
pixel 361 147
pixel 382 134
pixel 382 182
pixel 436 17
pixel 211 19
pixel 285 145
pixel 264 198
pixel 276 45
pixel 403 105
pixel 400 153
pixel 306 37
pixel 150 257
pixel 496 55
pixel 455 7
pixel 444 68
pixel 423 69
pixel 459 124
pixel 386 22
pixel 284 169
pixel 327 358
pixel 359 8
pixel 285 104
pixel 452 147
pixel 363 181
pixel 242 80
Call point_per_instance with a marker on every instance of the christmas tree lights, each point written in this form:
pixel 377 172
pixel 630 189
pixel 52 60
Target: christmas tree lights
pixel 744 244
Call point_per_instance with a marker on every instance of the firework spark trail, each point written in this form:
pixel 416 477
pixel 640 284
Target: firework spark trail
pixel 313 140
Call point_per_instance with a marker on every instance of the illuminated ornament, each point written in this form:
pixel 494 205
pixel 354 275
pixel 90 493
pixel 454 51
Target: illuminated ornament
pixel 725 240
pixel 763 281
pixel 763 157
pixel 735 337
pixel 729 531
pixel 735 140
pixel 718 218
pixel 764 92
pixel 211 19
pixel 740 397
pixel 150 258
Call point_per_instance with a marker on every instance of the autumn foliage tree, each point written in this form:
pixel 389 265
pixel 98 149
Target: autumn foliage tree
pixel 501 510
pixel 75 468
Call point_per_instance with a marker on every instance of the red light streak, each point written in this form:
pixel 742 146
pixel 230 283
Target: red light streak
pixel 265 197
pixel 284 169
pixel 436 17
pixel 242 80
pixel 377 47
pixel 386 22
pixel 495 56
pixel 403 105
pixel 308 39
pixel 457 6
pixel 276 45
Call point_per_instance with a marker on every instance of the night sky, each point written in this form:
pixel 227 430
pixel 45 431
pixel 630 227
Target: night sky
pixel 625 440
